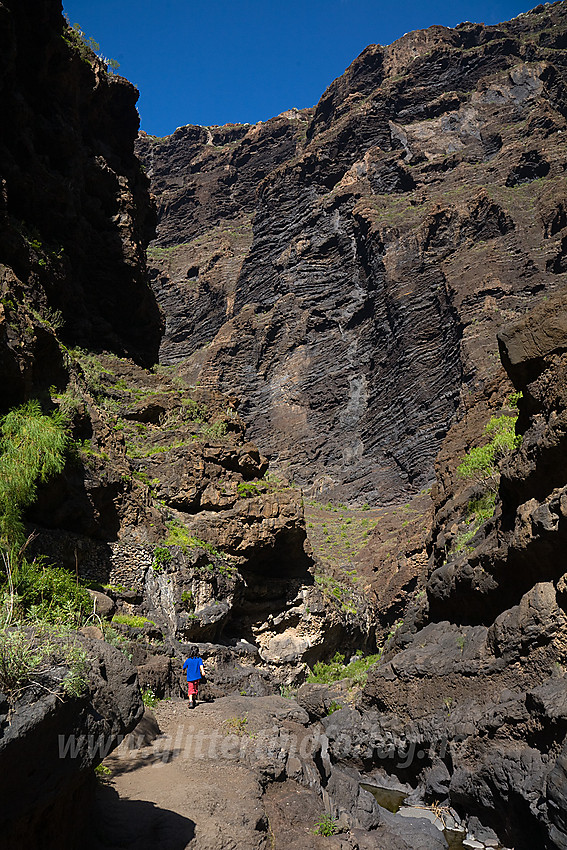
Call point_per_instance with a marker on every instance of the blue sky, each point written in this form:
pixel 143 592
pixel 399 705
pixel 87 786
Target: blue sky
pixel 214 61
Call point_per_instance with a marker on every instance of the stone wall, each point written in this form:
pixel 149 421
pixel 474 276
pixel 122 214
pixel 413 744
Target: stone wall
pixel 93 560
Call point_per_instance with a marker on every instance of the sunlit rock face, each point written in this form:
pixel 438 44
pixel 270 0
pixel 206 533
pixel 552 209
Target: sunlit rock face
pixel 344 270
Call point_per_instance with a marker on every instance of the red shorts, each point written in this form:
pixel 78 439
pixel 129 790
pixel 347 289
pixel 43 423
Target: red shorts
pixel 192 689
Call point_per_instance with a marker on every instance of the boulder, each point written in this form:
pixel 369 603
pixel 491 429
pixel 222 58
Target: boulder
pixel 49 745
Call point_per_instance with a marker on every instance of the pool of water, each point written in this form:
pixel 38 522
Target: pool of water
pixel 385 797
pixel 393 800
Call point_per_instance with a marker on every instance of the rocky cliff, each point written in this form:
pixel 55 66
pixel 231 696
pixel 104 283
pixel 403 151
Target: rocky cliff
pixel 75 214
pixel 152 451
pixel 364 254
pixel 162 496
pixel 342 280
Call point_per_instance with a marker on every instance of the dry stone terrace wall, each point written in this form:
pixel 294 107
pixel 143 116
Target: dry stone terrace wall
pixel 117 564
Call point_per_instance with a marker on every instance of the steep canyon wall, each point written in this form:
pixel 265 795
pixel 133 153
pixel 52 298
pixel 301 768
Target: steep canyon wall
pixel 344 270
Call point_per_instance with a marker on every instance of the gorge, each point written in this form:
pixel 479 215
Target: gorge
pixel 310 375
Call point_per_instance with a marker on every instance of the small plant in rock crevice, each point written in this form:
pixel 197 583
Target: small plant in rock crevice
pixel 326 826
pixel 478 512
pixel 103 774
pixel 237 726
pixel 188 600
pixel 149 698
pixel 162 557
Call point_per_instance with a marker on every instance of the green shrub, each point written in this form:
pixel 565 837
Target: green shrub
pixel 336 669
pixel 162 557
pixel 49 593
pixel 69 404
pixel 87 47
pixel 178 535
pixel 117 640
pixel 481 463
pixel 29 653
pixel 32 449
pixel 102 773
pixel 331 672
pixel 237 726
pixel 149 698
pixel 133 620
pixel 215 429
pixel 247 489
pixel 357 670
pixel 92 370
pixel 193 411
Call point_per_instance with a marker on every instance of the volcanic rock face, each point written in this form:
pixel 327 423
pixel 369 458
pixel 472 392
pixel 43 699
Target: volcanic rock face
pixel 75 214
pixel 353 303
pixel 48 745
pixel 476 679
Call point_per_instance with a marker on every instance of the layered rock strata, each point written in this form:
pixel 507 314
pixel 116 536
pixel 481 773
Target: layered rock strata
pixel 354 303
pixel 475 682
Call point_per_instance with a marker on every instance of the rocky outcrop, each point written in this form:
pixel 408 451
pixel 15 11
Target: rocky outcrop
pixel 75 212
pixel 49 745
pixel 467 706
pixel 525 536
pixel 352 318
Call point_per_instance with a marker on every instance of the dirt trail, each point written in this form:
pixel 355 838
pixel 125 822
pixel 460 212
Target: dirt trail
pixel 198 785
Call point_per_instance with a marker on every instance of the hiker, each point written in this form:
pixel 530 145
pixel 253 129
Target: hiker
pixel 195 672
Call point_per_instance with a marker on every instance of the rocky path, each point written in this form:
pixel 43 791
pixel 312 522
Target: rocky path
pixel 198 784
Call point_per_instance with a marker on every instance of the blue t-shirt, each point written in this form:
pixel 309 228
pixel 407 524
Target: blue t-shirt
pixel 193 667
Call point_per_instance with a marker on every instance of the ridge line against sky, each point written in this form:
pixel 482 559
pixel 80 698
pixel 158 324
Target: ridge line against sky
pixel 246 61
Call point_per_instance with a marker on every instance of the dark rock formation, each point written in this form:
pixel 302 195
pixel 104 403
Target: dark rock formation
pixel 75 212
pixel 397 226
pixel 476 698
pixel 48 747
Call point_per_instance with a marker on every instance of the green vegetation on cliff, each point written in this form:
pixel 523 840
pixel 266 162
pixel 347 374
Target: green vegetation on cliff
pixel 32 449
pixel 43 601
pixel 481 463
pixel 356 671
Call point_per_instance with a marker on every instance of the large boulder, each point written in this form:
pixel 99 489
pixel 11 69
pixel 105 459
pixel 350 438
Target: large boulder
pixel 48 745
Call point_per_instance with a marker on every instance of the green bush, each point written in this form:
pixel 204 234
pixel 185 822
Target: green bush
pixel 336 669
pixel 192 410
pixel 481 463
pixel 178 535
pixel 30 653
pixel 214 430
pixel 162 557
pixel 102 773
pixel 149 698
pixel 87 47
pixel 247 489
pixel 49 593
pixel 133 620
pixel 32 449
